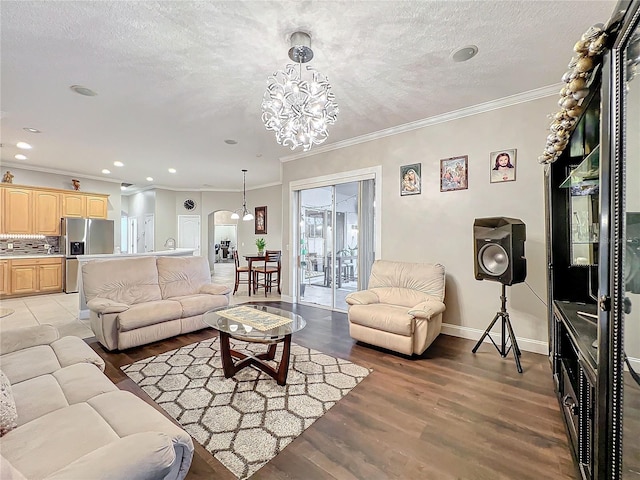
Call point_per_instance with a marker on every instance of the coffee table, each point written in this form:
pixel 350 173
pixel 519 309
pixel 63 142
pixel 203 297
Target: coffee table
pixel 229 328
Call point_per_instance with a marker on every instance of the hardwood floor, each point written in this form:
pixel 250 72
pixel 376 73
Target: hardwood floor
pixel 448 414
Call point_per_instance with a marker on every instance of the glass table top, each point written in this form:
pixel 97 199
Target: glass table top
pixel 237 328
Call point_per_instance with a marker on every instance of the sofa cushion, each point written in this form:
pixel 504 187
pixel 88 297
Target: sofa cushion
pixel 129 281
pixel 179 276
pixel 200 303
pixel 424 277
pixel 29 363
pixel 48 443
pixel 388 318
pixel 8 471
pixel 16 339
pixel 8 413
pixel 149 313
pixel 70 385
pixel 400 296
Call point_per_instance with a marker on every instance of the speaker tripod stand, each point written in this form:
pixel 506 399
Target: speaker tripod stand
pixel 506 328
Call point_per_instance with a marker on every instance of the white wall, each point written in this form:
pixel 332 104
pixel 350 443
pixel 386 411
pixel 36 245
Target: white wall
pixel 141 204
pixel 53 180
pixel 438 226
pixel 165 218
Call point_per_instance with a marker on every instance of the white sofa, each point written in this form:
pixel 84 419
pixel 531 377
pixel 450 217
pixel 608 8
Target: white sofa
pixel 402 308
pixel 135 301
pixel 73 423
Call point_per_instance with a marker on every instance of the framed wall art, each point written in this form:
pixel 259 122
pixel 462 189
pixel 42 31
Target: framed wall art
pixel 260 220
pixel 410 179
pixel 454 173
pixel 503 165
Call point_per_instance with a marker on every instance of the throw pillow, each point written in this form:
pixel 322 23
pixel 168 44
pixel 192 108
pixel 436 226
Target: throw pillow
pixel 8 412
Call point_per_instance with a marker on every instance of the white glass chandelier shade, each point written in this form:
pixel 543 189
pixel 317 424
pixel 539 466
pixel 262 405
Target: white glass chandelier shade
pixel 299 111
pixel 246 215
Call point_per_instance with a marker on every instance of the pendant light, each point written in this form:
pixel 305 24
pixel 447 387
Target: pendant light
pixel 246 215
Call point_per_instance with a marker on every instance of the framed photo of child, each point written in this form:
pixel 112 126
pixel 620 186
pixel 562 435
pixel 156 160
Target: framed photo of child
pixel 503 165
pixel 410 179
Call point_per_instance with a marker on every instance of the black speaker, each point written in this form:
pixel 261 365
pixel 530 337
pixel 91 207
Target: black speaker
pixel 499 249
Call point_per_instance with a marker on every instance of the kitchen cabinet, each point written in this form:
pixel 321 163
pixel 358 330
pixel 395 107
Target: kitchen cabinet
pixel 17 207
pixel 83 205
pixel 37 211
pixel 30 276
pixel 4 277
pixel 74 205
pixel 47 212
pixel 96 206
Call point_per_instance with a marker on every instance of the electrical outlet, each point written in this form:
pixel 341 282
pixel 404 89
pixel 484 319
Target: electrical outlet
pixel 9 246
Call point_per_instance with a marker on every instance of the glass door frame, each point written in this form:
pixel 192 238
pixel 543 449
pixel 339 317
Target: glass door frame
pixel 370 173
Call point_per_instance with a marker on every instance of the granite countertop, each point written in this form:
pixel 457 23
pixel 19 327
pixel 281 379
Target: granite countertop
pixel 35 255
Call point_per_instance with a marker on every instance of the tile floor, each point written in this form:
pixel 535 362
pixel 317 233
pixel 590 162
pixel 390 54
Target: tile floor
pixel 61 309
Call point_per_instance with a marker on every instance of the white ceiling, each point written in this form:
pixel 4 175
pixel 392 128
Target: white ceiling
pixel 176 78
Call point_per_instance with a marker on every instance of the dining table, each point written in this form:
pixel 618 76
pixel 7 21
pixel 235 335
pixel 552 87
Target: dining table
pixel 250 258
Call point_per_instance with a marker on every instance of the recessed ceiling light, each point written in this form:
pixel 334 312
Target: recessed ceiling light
pixel 105 171
pixel 118 164
pixel 172 170
pixel 149 179
pixel 230 141
pixel 464 53
pixel 79 89
pixel 19 156
pixel 31 130
pixel 24 145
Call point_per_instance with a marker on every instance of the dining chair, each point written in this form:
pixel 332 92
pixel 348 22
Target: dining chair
pixel 270 267
pixel 239 270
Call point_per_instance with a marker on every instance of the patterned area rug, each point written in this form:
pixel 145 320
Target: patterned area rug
pixel 246 420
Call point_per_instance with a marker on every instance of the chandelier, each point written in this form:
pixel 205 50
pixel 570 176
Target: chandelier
pixel 246 215
pixel 299 111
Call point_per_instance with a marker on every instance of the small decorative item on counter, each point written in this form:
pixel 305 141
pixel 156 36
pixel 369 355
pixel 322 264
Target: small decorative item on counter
pixel 8 177
pixel 76 184
pixel 261 243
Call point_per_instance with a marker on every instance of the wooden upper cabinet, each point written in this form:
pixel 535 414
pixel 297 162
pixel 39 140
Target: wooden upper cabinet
pixel 17 208
pixel 96 206
pixel 47 213
pixel 74 205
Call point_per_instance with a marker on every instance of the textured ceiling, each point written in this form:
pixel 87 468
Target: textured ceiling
pixel 176 78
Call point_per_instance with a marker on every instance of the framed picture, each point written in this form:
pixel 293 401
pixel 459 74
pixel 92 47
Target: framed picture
pixel 503 165
pixel 261 220
pixel 454 173
pixel 410 179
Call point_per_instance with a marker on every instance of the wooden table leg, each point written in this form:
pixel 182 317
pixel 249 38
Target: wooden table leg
pixel 225 353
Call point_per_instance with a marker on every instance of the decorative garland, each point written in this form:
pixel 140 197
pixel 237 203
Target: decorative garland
pixel 588 56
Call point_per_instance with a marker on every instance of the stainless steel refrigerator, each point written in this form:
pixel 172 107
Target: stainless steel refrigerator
pixel 83 236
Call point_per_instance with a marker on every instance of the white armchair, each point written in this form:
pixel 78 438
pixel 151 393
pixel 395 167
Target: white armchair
pixel 402 309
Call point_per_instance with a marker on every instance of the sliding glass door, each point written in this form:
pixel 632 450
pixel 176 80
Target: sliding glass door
pixel 335 254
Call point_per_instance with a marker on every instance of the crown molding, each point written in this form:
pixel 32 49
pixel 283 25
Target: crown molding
pixel 59 172
pixel 516 99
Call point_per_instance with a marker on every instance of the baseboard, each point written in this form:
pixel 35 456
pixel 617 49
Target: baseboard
pixel 526 344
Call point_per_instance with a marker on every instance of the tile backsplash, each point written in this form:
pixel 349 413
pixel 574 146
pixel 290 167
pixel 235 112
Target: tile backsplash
pixel 29 246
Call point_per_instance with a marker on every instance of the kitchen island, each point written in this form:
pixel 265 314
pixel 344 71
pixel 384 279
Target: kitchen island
pixel 83 311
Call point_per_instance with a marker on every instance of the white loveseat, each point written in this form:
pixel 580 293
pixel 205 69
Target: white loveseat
pixel 135 301
pixel 73 423
pixel 402 308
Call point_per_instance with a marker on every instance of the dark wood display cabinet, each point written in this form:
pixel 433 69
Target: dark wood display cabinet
pixel 593 228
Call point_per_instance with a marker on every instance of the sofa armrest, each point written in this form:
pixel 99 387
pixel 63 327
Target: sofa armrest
pixel 20 338
pixel 427 309
pixel 104 305
pixel 141 456
pixel 363 297
pixel 214 289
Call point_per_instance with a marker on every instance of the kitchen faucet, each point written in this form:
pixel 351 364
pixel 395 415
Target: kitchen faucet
pixel 170 243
